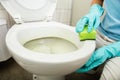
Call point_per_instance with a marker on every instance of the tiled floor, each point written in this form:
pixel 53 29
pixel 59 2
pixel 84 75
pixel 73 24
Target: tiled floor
pixel 10 70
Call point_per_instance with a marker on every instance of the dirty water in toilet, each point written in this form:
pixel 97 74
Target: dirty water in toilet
pixel 51 45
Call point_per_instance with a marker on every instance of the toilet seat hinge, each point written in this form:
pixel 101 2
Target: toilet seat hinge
pixel 18 19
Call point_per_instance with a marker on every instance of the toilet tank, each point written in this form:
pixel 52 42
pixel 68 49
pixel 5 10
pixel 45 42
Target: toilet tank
pixel 4 55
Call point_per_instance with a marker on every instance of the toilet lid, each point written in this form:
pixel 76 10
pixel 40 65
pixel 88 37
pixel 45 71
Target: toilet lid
pixel 30 10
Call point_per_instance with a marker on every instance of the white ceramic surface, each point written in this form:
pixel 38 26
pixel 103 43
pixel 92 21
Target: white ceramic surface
pixel 23 10
pixel 47 64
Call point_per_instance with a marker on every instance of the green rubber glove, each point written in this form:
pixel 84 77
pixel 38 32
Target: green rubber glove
pixel 100 56
pixel 92 19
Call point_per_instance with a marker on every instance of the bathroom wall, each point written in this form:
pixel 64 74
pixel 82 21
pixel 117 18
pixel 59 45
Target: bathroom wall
pixel 79 9
pixel 63 11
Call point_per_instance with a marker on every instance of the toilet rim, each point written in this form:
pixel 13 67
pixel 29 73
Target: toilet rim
pixel 21 52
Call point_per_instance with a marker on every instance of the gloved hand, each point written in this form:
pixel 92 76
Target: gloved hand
pixel 100 56
pixel 92 19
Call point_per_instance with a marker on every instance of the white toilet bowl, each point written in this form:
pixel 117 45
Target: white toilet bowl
pixel 43 64
pixel 30 25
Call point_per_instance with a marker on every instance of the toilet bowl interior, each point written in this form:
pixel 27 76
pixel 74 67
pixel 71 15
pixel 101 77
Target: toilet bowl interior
pixel 51 45
pixel 61 38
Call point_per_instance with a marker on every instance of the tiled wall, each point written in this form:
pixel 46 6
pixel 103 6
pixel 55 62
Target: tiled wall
pixel 79 9
pixel 63 11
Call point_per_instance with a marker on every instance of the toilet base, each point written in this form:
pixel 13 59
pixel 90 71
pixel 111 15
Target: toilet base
pixel 36 77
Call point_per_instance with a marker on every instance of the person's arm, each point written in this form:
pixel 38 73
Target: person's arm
pixel 101 55
pixel 100 2
pixel 92 19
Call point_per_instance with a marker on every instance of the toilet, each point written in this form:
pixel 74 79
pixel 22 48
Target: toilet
pixel 58 51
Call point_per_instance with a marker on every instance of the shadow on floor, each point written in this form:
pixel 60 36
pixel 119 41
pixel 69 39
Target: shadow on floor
pixel 10 70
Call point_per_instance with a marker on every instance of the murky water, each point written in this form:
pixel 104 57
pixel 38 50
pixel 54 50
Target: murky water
pixel 51 45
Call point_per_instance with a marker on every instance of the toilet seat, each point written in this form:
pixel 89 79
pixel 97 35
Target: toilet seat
pixel 30 10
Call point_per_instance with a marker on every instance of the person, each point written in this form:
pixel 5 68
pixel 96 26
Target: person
pixel 108 38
